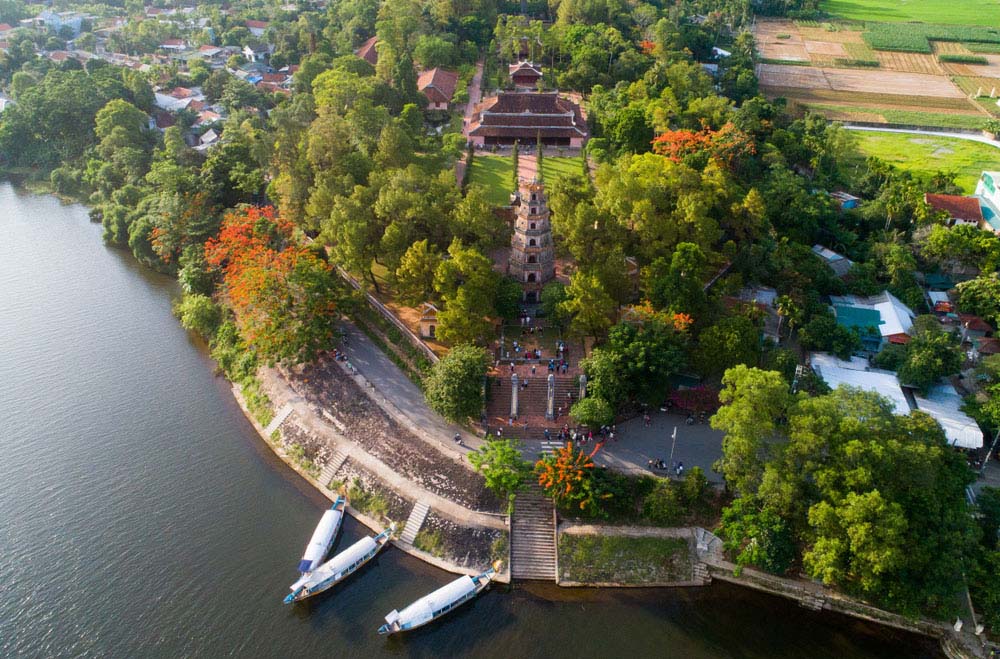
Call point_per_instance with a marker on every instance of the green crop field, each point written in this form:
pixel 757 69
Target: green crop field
pixel 925 155
pixel 949 12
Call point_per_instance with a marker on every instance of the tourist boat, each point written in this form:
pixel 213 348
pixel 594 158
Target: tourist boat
pixel 322 538
pixel 436 604
pixel 340 566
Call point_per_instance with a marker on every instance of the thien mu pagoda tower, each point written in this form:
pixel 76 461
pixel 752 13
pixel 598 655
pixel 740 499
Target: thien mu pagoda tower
pixel 532 261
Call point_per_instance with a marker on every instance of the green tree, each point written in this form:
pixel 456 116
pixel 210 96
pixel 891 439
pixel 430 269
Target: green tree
pixel 592 412
pixel 930 355
pixel 733 340
pixel 502 465
pixel 454 387
pixel 553 295
pixel 415 274
pixel 823 333
pixel 757 536
pixel 589 305
pixel 199 314
pixel 981 296
pixel 753 402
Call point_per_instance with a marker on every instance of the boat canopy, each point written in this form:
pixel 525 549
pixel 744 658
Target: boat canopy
pixel 321 540
pixel 341 561
pixel 423 609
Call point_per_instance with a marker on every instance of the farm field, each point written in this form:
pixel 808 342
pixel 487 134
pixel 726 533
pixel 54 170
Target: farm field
pixel 832 68
pixel 948 12
pixel 925 155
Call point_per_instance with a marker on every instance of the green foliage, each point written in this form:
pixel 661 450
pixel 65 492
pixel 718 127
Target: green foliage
pixel 415 274
pixel 825 334
pixel 199 314
pixel 757 536
pixel 915 38
pixel 733 340
pixel 623 559
pixel 429 541
pixel 753 402
pixel 981 296
pixel 552 297
pixel 589 304
pixel 663 505
pixel 454 387
pixel 931 354
pixel 955 58
pixel 368 500
pixel 501 464
pixel 593 412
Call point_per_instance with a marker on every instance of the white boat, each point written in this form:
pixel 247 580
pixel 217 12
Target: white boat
pixel 436 604
pixel 340 566
pixel 322 538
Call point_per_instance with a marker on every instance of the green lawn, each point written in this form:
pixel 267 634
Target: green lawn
pixel 925 155
pixel 494 173
pixel 554 167
pixel 909 117
pixel 948 12
pixel 619 559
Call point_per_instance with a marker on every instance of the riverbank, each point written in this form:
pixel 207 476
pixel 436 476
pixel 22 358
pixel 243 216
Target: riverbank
pixel 300 441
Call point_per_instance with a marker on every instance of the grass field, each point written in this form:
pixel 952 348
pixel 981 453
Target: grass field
pixel 897 116
pixel 494 173
pixel 925 155
pixel 948 12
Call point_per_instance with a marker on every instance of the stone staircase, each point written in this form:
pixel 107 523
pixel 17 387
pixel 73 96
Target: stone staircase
pixel 812 602
pixel 533 536
pixel 414 522
pixel 333 465
pixel 532 404
pixel 279 418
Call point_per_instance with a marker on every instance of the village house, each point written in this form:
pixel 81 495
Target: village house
pixel 257 28
pixel 368 52
pixel 526 117
pixel 257 53
pixel 438 85
pixel 840 265
pixel 525 75
pixel 881 318
pixel 177 45
pixel 57 21
pixel 942 402
pixel 959 209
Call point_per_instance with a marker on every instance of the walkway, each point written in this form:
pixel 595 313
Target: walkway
pixel 404 400
pixel 697 445
pixel 475 95
pixel 982 139
pixel 308 420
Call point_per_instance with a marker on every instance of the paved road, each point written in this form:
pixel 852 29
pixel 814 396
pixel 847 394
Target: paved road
pixel 393 384
pixel 938 133
pixel 697 445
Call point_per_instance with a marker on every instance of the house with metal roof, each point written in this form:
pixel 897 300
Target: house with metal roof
pixel 942 402
pixel 890 319
pixel 840 265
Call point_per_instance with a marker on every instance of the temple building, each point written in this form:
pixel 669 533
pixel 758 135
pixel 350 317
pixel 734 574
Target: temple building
pixel 525 75
pixel 532 259
pixel 526 117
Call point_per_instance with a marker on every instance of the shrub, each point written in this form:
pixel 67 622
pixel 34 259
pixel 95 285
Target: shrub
pixel 663 505
pixel 593 412
pixel 199 314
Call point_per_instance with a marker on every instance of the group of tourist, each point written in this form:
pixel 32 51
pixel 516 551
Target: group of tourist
pixel 661 465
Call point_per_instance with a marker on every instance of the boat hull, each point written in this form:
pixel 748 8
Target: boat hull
pixel 482 583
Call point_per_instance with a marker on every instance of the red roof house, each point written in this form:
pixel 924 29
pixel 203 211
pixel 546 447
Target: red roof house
pixel 367 51
pixel 438 86
pixel 525 74
pixel 960 210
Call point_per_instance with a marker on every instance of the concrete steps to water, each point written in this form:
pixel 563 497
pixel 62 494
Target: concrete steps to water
pixel 336 461
pixel 279 418
pixel 414 522
pixel 533 536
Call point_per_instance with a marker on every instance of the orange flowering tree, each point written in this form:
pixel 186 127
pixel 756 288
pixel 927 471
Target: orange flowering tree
pixel 569 477
pixel 285 298
pixel 728 146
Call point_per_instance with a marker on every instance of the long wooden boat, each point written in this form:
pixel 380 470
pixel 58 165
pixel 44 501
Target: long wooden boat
pixel 434 605
pixel 322 538
pixel 340 566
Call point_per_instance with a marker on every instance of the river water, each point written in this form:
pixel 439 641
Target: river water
pixel 140 514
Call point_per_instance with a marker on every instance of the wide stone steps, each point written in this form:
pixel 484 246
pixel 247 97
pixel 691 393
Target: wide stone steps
pixel 414 522
pixel 533 536
pixel 336 461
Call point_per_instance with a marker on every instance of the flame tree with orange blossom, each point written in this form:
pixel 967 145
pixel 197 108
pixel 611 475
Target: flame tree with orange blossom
pixel 569 477
pixel 285 298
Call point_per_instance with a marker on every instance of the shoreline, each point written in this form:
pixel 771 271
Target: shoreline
pixel 361 517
